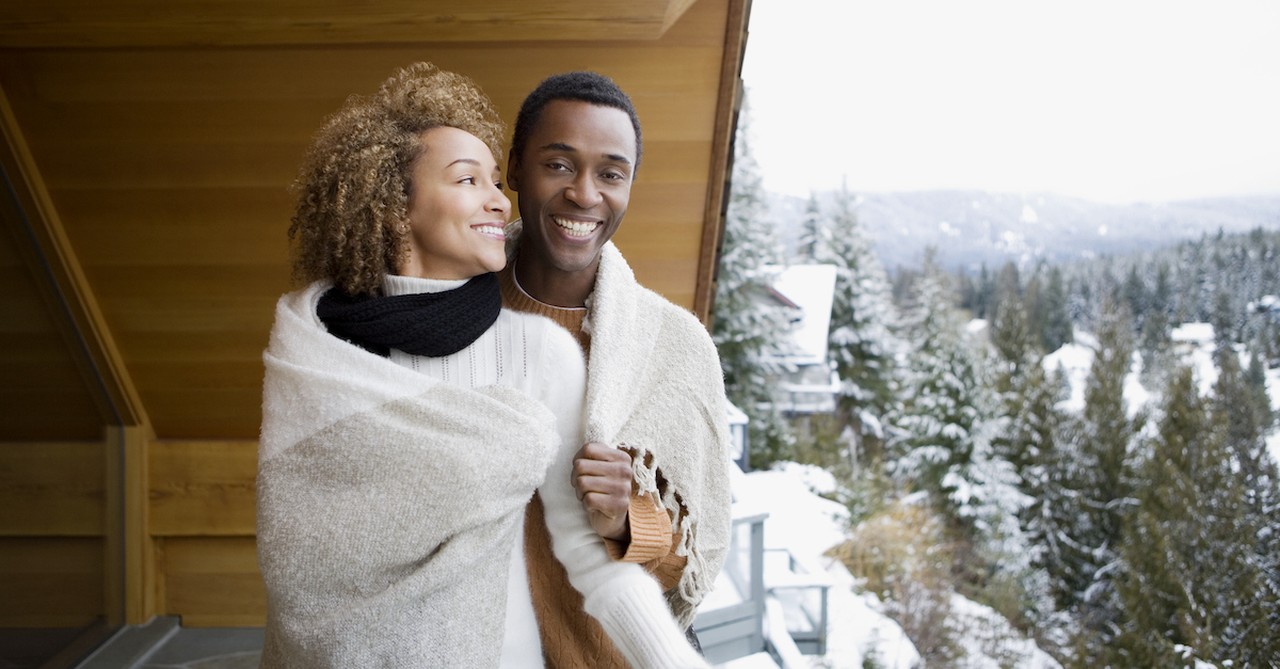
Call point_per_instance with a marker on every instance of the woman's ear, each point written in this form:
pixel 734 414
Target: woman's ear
pixel 513 170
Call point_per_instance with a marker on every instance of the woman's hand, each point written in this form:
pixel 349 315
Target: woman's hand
pixel 602 479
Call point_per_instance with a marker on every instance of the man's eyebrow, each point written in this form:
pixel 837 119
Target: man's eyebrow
pixel 561 146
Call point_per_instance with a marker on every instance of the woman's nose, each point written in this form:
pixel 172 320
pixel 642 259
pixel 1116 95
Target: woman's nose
pixel 499 201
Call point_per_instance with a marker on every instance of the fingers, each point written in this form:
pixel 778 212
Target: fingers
pixel 599 468
pixel 601 478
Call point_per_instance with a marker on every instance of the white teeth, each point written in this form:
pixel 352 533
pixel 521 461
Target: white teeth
pixel 490 231
pixel 575 228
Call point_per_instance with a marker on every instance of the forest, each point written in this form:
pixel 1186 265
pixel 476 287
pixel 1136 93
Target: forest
pixel 1121 529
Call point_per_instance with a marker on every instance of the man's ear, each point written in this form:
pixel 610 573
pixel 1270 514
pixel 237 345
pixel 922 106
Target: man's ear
pixel 513 169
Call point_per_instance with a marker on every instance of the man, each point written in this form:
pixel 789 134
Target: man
pixel 653 475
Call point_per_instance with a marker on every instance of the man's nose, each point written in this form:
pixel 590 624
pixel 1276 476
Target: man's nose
pixel 583 192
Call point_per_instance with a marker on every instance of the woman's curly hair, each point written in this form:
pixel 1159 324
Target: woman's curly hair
pixel 353 187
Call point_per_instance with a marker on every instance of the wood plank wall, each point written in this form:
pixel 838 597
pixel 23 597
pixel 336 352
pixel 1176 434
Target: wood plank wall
pixel 200 508
pixel 52 527
pixel 169 169
pixel 202 522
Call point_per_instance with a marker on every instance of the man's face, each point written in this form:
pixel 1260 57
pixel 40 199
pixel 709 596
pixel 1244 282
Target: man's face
pixel 574 182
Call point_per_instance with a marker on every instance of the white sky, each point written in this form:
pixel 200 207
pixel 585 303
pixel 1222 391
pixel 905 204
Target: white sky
pixel 1112 100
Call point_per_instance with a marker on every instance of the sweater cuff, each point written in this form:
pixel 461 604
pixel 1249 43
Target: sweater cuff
pixel 650 529
pixel 637 620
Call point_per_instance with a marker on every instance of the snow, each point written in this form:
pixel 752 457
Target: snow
pixel 1073 360
pixel 811 287
pixel 807 525
pixel 1194 333
pixel 990 643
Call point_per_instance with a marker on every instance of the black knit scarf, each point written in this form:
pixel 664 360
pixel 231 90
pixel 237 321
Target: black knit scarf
pixel 430 324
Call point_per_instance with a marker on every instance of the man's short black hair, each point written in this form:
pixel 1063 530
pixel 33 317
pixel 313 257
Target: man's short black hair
pixel 589 87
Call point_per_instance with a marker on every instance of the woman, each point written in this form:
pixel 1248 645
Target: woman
pixel 407 418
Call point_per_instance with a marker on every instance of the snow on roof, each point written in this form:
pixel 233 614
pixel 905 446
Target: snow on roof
pixel 812 288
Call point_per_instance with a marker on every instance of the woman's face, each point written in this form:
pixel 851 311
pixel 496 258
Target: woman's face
pixel 457 209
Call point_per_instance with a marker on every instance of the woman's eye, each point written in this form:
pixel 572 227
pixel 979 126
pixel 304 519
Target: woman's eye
pixel 467 180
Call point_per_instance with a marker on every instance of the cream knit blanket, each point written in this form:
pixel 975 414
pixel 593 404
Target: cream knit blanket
pixel 387 504
pixel 655 387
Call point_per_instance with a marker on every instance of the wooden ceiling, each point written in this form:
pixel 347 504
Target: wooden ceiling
pixel 149 145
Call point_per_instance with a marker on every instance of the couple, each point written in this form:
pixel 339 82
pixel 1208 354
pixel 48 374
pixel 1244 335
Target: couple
pixel 421 389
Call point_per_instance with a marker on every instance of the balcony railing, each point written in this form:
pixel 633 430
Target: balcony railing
pixel 729 622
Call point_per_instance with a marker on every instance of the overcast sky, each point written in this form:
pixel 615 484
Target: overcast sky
pixel 1111 100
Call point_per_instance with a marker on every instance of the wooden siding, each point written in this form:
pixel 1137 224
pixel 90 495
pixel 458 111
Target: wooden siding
pixel 169 168
pixel 146 163
pixel 52 518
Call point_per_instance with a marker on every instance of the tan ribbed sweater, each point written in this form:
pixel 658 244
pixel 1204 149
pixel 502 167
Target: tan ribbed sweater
pixel 571 639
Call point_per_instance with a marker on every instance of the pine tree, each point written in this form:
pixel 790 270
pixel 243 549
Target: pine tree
pixel 1100 474
pixel 1053 313
pixel 860 344
pixel 948 420
pixel 748 332
pixel 1242 415
pixel 811 232
pixel 1155 328
pixel 1190 583
pixel 1224 319
pixel 1135 295
pixel 1030 444
pixel 1010 332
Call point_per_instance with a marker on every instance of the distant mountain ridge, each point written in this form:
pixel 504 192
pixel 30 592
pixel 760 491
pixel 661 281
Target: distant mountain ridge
pixel 969 228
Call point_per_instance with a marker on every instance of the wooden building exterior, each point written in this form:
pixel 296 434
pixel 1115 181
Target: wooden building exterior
pixel 147 148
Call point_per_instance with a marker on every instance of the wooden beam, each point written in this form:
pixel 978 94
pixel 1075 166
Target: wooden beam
pixel 47 250
pixel 730 96
pixel 152 23
pixel 131 570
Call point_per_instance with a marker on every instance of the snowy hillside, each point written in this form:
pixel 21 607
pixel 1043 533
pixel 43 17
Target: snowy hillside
pixel 807 524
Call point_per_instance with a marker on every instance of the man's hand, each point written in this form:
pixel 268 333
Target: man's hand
pixel 602 478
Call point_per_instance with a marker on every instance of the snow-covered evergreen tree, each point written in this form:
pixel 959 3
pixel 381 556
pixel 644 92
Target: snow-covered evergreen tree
pixel 860 343
pixel 1034 446
pixel 1009 323
pixel 811 232
pixel 947 421
pixel 1242 415
pixel 748 332
pixel 1190 584
pixel 1052 313
pixel 1099 476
